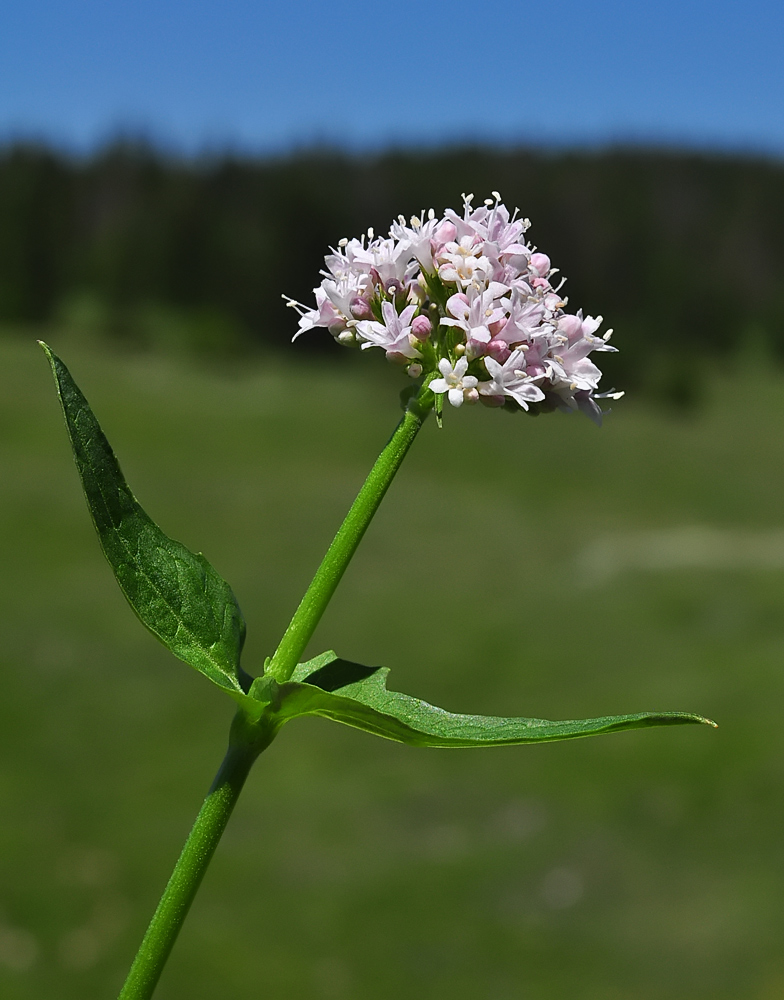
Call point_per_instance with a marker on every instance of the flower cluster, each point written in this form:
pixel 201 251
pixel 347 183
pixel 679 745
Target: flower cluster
pixel 467 303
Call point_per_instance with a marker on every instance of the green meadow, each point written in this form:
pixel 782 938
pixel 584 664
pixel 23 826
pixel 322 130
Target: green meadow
pixel 538 567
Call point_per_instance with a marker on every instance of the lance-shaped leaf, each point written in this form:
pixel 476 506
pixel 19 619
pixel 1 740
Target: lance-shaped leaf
pixel 175 592
pixel 357 696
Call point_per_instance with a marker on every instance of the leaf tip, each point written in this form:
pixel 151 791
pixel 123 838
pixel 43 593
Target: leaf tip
pixel 702 721
pixel 50 355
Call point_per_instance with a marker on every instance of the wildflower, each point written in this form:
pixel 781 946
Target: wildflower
pixel 465 303
pixel 455 383
pixel 394 334
pixel 511 379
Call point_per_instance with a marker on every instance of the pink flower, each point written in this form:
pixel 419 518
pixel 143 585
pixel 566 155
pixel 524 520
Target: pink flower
pixel 394 334
pixel 441 294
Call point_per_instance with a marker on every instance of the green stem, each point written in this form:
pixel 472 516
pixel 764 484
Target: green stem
pixel 344 545
pixel 191 865
pixel 249 738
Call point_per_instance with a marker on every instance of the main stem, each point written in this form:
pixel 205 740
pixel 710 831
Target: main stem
pixel 344 545
pixel 190 868
pixel 248 738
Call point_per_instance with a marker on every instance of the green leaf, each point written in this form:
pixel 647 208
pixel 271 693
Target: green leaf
pixel 357 696
pixel 175 592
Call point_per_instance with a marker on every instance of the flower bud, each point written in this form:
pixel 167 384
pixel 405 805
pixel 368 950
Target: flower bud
pixel 345 337
pixel 499 350
pixel 421 328
pixel 470 395
pixel 540 263
pixel 360 308
pixel 415 370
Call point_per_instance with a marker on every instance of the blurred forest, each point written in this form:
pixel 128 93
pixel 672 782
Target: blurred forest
pixel 683 254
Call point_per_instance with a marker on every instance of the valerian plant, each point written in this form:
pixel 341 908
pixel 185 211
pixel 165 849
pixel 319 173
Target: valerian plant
pixel 470 311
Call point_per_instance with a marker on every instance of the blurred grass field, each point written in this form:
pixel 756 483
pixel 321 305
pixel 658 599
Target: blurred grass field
pixel 534 567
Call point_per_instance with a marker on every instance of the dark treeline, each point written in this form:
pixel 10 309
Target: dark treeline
pixel 683 254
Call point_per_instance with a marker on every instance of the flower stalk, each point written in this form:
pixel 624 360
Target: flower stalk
pixel 348 537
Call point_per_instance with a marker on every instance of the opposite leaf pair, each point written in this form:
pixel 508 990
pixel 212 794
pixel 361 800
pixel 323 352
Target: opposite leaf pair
pixel 184 602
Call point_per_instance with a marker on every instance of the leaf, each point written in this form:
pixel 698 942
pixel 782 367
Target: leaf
pixel 175 592
pixel 357 696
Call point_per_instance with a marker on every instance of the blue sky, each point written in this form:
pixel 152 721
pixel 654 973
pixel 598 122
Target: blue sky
pixel 267 77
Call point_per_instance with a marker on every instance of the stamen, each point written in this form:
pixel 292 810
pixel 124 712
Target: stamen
pixel 293 304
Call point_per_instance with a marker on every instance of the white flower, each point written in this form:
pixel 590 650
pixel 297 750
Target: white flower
pixel 418 238
pixel 459 387
pixel 511 379
pixel 385 260
pixel 463 262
